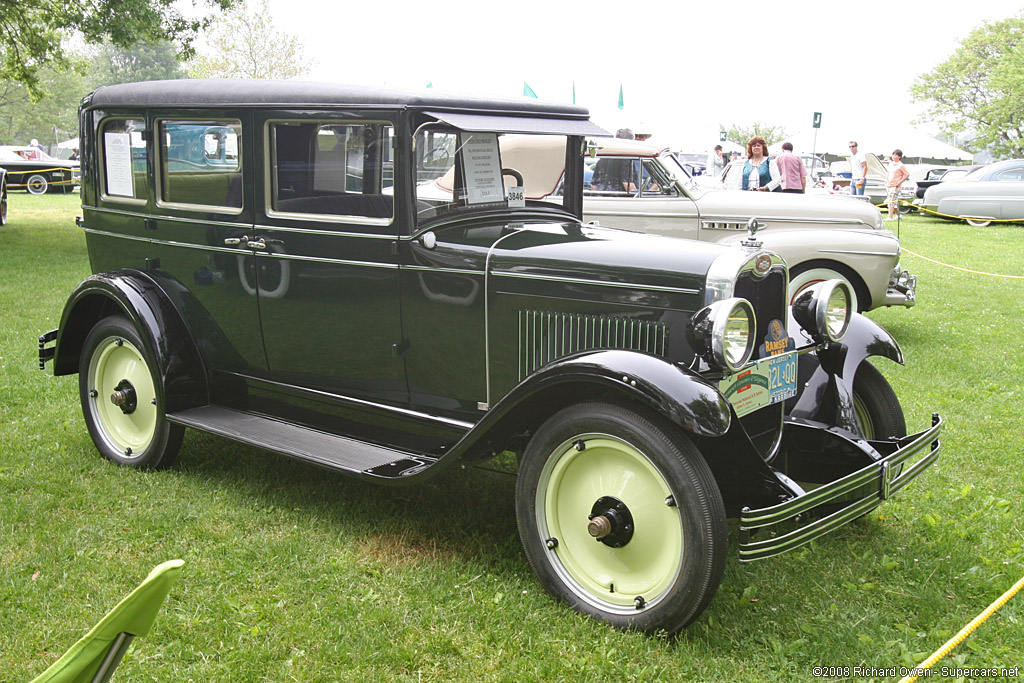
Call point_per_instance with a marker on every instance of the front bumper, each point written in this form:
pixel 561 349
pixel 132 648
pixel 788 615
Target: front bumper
pixel 856 493
pixel 902 290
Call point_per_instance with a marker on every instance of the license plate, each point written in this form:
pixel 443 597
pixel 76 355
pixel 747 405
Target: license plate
pixel 770 380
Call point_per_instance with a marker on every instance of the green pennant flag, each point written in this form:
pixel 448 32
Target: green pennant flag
pixel 574 92
pixel 528 91
pixel 431 84
pixel 621 103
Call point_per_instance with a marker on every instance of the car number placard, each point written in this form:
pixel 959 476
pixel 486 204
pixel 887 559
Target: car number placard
pixel 769 380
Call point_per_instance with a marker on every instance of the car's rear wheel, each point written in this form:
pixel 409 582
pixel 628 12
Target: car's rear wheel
pixel 979 222
pixel 123 409
pixel 3 202
pixel 37 184
pixel 621 518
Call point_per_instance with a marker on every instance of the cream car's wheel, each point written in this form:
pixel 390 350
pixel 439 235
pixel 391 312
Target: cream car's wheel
pixel 621 517
pixel 979 222
pixel 37 184
pixel 3 202
pixel 121 403
pixel 802 278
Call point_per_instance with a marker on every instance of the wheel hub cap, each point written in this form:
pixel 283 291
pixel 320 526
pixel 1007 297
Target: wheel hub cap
pixel 610 522
pixel 124 397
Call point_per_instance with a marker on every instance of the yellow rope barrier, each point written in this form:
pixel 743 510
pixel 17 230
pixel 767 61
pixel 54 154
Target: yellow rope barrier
pixel 960 218
pixel 965 631
pixel 965 270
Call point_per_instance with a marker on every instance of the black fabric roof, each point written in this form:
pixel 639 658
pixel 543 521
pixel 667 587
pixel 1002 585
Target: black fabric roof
pixel 267 93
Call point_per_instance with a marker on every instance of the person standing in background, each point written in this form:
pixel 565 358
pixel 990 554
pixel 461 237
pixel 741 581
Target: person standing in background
pixel 858 169
pixel 716 163
pixel 760 172
pixel 791 168
pixel 897 174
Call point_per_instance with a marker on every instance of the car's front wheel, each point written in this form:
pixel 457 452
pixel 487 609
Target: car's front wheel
pixel 803 276
pixel 876 405
pixel 122 407
pixel 3 202
pixel 37 184
pixel 621 517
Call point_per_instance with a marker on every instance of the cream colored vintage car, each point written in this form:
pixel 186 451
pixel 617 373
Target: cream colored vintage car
pixel 821 238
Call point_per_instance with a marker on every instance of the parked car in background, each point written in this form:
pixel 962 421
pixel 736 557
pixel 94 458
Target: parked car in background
pixel 926 175
pixel 986 194
pixel 696 164
pixel 36 171
pixel 390 327
pixel 821 237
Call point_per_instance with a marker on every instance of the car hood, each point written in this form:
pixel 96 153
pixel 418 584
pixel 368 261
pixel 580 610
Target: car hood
pixel 607 255
pixel 797 208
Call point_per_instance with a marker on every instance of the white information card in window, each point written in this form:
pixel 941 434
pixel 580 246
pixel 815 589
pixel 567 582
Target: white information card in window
pixel 481 164
pixel 117 152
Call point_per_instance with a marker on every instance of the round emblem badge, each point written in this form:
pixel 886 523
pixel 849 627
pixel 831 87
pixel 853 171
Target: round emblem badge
pixel 775 330
pixel 763 263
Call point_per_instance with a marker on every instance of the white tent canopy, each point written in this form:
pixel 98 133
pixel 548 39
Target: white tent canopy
pixel 914 144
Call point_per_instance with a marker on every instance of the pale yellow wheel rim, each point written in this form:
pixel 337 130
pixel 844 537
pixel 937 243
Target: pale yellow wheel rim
pixel 114 361
pixel 609 578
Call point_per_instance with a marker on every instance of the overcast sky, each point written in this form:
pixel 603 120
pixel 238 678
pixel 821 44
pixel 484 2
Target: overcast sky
pixel 684 67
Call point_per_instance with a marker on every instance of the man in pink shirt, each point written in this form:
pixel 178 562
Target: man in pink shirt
pixel 791 167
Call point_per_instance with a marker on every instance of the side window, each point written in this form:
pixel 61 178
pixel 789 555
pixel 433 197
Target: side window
pixel 1014 174
pixel 613 177
pixel 334 169
pixel 200 163
pixel 124 160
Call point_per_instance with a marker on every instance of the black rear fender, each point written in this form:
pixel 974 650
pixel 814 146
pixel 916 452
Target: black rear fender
pixel 136 296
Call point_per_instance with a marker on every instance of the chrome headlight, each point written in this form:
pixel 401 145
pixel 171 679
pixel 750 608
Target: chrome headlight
pixel 824 310
pixel 723 333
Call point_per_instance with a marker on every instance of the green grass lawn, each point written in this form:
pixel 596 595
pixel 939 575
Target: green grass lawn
pixel 295 574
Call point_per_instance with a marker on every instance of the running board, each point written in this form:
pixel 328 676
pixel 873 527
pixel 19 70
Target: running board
pixel 327 450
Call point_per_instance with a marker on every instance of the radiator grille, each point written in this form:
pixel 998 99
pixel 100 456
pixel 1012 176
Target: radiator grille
pixel 545 336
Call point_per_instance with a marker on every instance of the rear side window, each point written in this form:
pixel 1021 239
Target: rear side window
pixel 201 163
pixel 125 160
pixel 327 168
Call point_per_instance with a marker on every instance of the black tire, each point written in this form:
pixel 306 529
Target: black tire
pixel 3 202
pixel 663 559
pixel 37 183
pixel 116 365
pixel 877 407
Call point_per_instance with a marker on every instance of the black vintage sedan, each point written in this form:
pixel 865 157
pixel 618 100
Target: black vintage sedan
pixel 35 171
pixel 360 279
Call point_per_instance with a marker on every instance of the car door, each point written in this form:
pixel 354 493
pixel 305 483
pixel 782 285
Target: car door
pixel 644 195
pixel 174 198
pixel 326 269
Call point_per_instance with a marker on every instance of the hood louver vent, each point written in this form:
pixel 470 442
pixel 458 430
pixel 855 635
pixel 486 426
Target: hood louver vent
pixel 545 336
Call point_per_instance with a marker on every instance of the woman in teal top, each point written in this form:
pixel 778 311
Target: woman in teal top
pixel 760 171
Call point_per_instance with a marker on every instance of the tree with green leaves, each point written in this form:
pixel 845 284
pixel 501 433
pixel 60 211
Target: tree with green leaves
pixel 142 62
pixel 50 119
pixel 979 89
pixel 34 33
pixel 742 134
pixel 244 43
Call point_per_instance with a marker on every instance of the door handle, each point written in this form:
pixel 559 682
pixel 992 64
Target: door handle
pixel 258 245
pixel 235 241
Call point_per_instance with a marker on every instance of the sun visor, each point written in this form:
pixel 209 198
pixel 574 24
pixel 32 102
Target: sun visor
pixel 480 123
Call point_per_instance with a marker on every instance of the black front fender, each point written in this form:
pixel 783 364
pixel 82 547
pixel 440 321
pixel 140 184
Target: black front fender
pixel 135 295
pixel 622 376
pixel 826 378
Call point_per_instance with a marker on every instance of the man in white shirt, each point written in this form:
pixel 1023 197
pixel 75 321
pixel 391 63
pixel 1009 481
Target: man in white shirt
pixel 858 168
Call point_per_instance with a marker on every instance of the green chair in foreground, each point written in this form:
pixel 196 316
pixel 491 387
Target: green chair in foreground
pixel 94 658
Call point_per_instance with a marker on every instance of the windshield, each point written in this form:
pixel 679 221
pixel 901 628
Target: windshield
pixel 463 171
pixel 975 174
